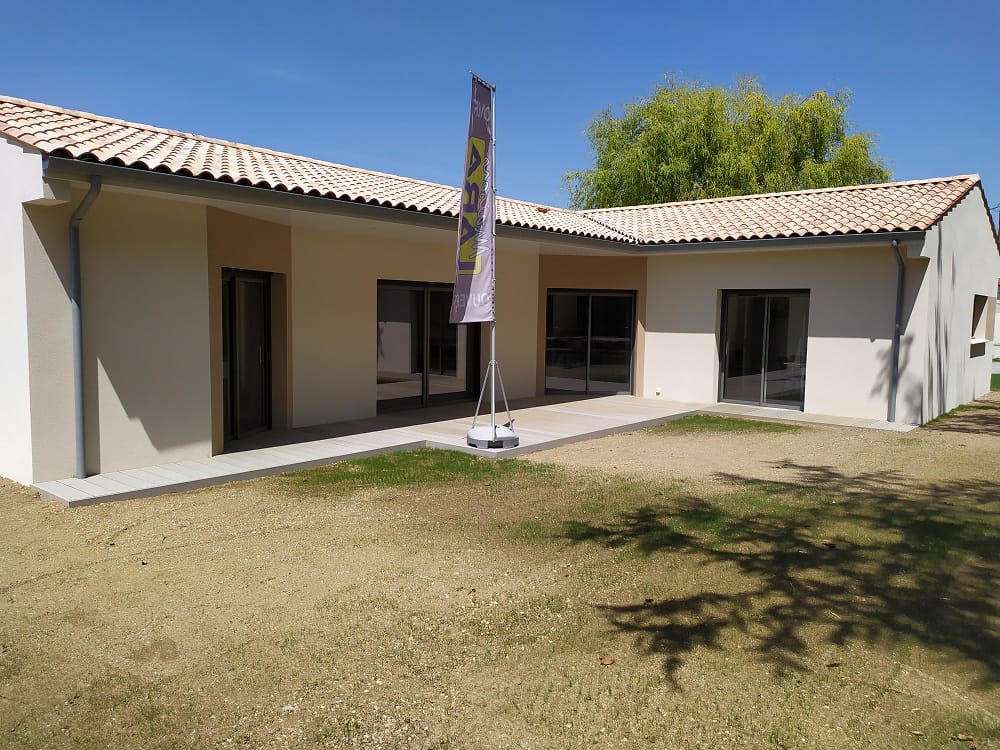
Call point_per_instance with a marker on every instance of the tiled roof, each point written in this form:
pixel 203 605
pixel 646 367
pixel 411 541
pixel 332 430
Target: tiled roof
pixel 835 211
pixel 890 207
pixel 79 135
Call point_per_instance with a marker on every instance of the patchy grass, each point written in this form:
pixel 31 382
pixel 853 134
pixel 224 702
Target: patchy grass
pixel 711 423
pixel 436 600
pixel 961 409
pixel 422 467
pixel 995 382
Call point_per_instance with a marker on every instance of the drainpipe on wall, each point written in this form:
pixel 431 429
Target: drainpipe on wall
pixel 77 318
pixel 896 332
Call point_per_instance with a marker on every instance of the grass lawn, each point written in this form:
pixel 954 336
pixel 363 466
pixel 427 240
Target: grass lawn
pixel 713 423
pixel 435 600
pixel 995 382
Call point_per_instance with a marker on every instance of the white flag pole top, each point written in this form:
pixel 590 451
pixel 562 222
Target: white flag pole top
pixel 474 299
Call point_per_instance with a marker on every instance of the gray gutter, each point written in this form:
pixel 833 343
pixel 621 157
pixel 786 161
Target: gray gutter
pixel 129 177
pixel 896 331
pixel 779 243
pixel 76 302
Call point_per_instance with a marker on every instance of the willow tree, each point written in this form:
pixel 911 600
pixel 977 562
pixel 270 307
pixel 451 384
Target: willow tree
pixel 688 140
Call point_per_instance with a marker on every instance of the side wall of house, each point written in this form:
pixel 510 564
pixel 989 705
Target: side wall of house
pixel 851 314
pixel 963 262
pixel 334 315
pixel 20 181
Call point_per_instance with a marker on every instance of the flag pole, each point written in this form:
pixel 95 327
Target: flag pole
pixel 497 436
pixel 493 229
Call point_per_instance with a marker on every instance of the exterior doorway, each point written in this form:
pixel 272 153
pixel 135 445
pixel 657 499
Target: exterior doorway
pixel 589 341
pixel 246 352
pixel 422 358
pixel 763 357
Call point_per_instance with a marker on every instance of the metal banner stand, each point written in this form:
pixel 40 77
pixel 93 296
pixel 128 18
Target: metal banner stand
pixel 494 436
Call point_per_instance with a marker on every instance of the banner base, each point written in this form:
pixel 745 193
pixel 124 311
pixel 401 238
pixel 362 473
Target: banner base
pixel 492 437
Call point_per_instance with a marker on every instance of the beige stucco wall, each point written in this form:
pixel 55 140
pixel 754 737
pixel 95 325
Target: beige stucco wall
pixel 334 315
pixel 21 181
pixel 146 338
pixel 851 314
pixel 48 282
pixel 962 259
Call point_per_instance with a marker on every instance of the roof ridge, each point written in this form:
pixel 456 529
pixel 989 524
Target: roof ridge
pixel 536 204
pixel 217 141
pixel 975 178
pixel 617 230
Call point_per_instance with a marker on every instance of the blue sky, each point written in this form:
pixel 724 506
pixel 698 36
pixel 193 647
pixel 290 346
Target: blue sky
pixel 385 85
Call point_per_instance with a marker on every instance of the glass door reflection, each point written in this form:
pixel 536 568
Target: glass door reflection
pixel 589 340
pixel 422 358
pixel 764 348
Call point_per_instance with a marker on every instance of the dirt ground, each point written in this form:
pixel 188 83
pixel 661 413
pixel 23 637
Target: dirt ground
pixel 830 587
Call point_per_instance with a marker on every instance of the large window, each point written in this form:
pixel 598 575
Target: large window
pixel 589 338
pixel 763 353
pixel 422 358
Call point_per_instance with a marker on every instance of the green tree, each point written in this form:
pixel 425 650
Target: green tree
pixel 689 140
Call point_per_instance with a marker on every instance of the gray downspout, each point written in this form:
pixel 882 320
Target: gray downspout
pixel 77 318
pixel 896 332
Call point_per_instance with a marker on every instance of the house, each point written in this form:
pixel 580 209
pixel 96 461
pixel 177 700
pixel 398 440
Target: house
pixel 223 289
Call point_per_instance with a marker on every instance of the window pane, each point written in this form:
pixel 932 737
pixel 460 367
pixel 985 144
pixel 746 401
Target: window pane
pixel 786 350
pixel 400 343
pixel 448 348
pixel 744 347
pixel 610 344
pixel 566 342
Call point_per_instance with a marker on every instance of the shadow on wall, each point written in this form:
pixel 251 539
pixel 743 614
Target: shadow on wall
pixel 146 377
pixel 914 562
pixel 940 345
pixel 908 401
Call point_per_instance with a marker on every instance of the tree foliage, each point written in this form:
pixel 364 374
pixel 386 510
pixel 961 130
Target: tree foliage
pixel 689 140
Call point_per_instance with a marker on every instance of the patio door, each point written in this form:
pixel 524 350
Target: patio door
pixel 589 339
pixel 764 338
pixel 246 352
pixel 422 358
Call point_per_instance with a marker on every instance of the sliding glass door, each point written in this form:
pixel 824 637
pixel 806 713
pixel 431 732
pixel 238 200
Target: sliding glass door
pixel 764 338
pixel 422 358
pixel 589 339
pixel 246 353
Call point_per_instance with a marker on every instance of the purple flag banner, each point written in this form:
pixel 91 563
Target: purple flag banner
pixel 474 300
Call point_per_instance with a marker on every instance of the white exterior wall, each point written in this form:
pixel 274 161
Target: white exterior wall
pixel 334 325
pixel 50 339
pixel 851 315
pixel 963 261
pixel 20 181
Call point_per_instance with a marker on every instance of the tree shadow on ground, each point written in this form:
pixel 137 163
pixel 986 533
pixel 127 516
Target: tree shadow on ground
pixel 823 558
pixel 981 417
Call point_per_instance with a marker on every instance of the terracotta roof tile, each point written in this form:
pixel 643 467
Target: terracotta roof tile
pixel 898 206
pixel 867 208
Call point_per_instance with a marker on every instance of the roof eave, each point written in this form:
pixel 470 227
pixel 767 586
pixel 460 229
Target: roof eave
pixel 781 243
pixel 57 167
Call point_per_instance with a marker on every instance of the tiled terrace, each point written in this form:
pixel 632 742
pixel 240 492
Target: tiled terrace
pixel 540 423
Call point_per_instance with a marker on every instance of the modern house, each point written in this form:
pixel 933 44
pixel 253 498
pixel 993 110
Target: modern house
pixel 223 289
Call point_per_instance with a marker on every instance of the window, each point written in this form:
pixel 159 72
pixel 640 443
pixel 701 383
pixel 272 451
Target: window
pixel 979 316
pixel 983 322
